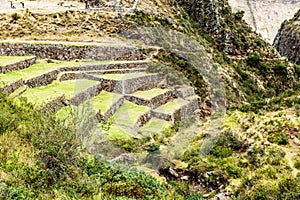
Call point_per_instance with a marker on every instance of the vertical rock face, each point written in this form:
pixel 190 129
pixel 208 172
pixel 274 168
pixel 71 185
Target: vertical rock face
pixel 265 16
pixel 287 40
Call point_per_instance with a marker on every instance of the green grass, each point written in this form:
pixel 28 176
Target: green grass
pixel 122 76
pixel 65 114
pixel 40 69
pixel 149 94
pixel 33 71
pixel 104 101
pixel 18 91
pixel 52 91
pixel 172 106
pixel 42 159
pixel 116 133
pixel 129 113
pixel 7 60
pixel 155 126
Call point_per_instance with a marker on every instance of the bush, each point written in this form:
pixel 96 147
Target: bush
pixel 15 16
pixel 225 145
pixel 58 162
pixel 239 15
pixel 280 69
pixel 297 163
pixel 297 71
pixel 253 59
pixel 278 138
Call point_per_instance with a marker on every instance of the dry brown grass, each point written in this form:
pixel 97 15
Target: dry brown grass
pixel 67 25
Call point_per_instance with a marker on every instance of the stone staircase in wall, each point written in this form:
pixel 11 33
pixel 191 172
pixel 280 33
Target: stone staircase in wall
pixel 118 90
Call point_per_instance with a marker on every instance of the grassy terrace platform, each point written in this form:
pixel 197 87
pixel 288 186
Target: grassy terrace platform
pixel 103 101
pixel 149 94
pixel 42 95
pixel 39 69
pixel 172 106
pixel 129 113
pixel 66 113
pixel 121 133
pixel 154 126
pixel 123 76
pixel 115 71
pixel 8 60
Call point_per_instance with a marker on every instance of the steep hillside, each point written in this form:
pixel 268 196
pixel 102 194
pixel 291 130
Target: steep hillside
pixel 231 34
pixel 43 159
pixel 287 40
pixel 184 91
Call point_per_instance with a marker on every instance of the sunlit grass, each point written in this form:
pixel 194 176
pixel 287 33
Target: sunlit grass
pixel 7 60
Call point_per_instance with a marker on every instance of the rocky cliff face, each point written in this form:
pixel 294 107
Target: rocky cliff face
pixel 230 32
pixel 287 40
pixel 265 16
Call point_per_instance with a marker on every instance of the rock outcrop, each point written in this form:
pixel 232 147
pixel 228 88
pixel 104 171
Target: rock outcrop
pixel 287 40
pixel 230 32
pixel 264 16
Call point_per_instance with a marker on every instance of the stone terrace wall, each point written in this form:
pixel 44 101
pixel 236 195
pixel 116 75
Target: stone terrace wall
pixel 17 66
pixel 153 102
pixel 68 52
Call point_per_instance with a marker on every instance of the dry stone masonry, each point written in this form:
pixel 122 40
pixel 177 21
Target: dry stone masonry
pixel 71 51
pixel 127 78
pixel 18 65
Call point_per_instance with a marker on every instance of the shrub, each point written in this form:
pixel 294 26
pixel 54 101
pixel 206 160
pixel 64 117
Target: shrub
pixel 297 70
pixel 15 16
pixel 239 15
pixel 253 59
pixel 297 163
pixel 278 138
pixel 280 69
pixel 59 163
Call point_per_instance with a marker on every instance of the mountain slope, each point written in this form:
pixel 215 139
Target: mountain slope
pixel 244 143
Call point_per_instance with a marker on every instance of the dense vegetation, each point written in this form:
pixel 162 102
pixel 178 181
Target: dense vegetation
pixel 41 158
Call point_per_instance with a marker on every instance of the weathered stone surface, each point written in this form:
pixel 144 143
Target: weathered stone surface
pixel 186 111
pixel 153 102
pixel 117 71
pixel 12 87
pixel 142 120
pixel 54 105
pixel 131 85
pixel 68 52
pixel 108 66
pixel 108 85
pixel 124 158
pixel 128 86
pixel 42 80
pixel 18 65
pixel 86 94
pixel 265 16
pixel 287 40
pixel 74 75
pixel 184 92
